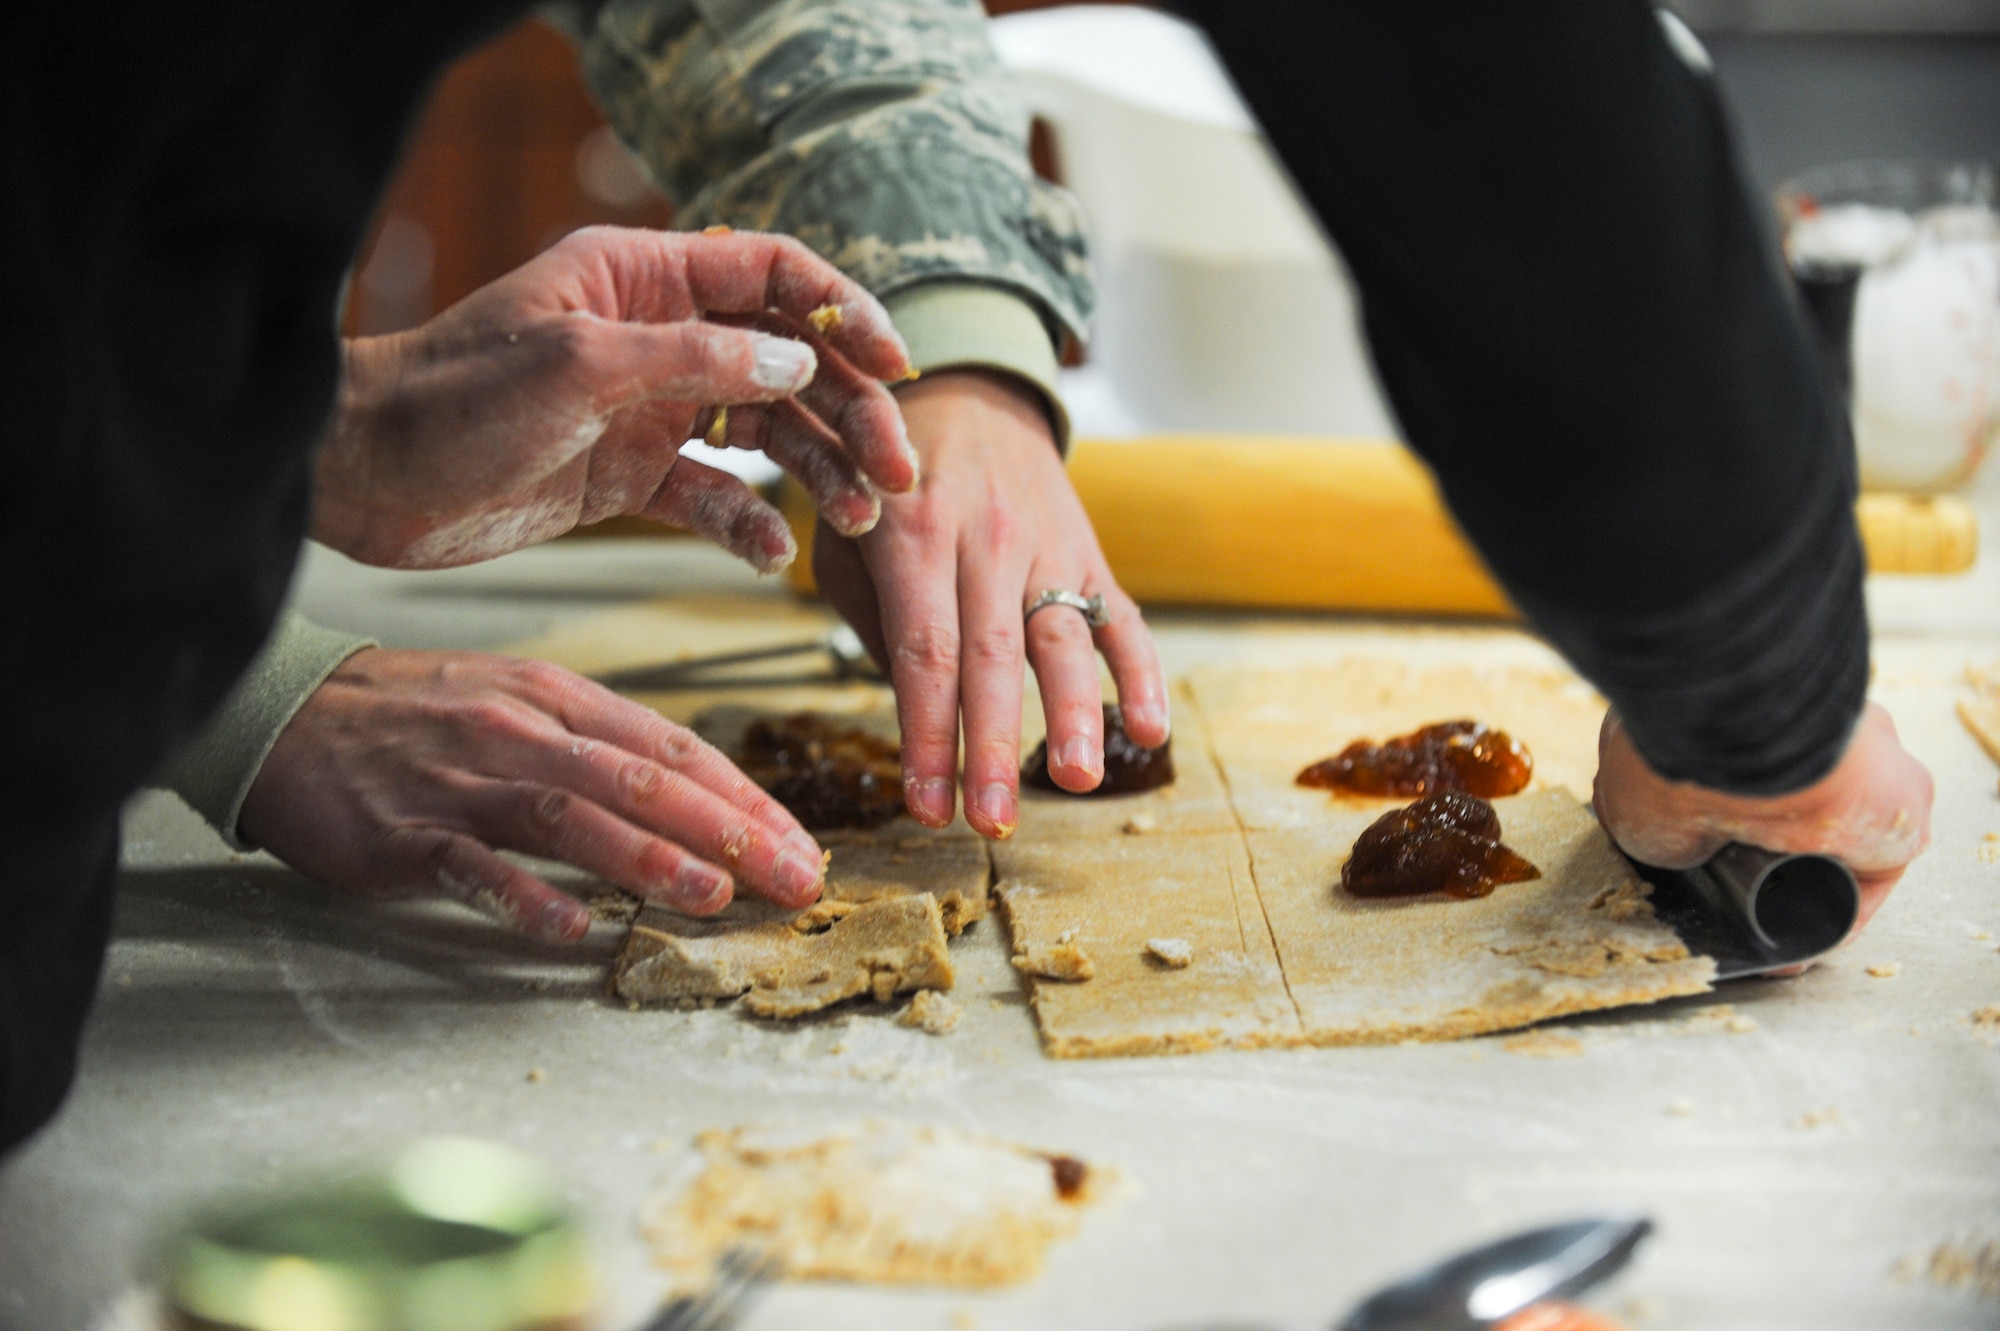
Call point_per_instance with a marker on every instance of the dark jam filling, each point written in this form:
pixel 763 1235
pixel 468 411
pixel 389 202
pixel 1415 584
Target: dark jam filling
pixel 1450 755
pixel 830 775
pixel 1070 1175
pixel 1448 842
pixel 1128 768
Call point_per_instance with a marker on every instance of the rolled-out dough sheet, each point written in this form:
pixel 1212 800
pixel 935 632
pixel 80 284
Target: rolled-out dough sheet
pixel 1578 939
pixel 1337 970
pixel 1266 726
pixel 1118 893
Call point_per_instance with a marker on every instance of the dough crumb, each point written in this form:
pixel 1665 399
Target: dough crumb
pixel 1821 1118
pixel 1981 936
pixel 826 320
pixel 1681 1108
pixel 1740 1025
pixel 1544 1044
pixel 963 1320
pixel 1885 970
pixel 536 1075
pixel 1141 823
pixel 1062 960
pixel 1173 953
pixel 719 229
pixel 1962 1263
pixel 1986 1020
pixel 932 1012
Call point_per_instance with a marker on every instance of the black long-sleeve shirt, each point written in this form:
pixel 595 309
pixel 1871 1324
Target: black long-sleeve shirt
pixel 1584 327
pixel 1566 288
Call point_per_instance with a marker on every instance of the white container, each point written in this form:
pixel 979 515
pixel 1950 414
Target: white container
pixel 1223 308
pixel 1924 344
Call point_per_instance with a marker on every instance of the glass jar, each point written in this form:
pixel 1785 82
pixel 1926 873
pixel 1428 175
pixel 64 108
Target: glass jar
pixel 452 1236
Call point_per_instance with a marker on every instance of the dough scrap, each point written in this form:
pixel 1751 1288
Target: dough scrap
pixel 1981 716
pixel 1173 953
pixel 882 1203
pixel 1543 1044
pixel 932 1012
pixel 785 964
pixel 1061 960
pixel 863 935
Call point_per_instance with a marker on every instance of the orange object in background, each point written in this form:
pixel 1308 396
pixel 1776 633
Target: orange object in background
pixel 510 156
pixel 1557 1317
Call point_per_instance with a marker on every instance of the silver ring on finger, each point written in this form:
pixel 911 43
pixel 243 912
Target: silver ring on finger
pixel 1090 607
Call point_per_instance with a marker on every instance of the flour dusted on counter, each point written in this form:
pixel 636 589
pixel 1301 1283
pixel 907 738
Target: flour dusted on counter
pixel 880 1203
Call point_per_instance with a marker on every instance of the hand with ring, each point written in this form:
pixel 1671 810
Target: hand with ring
pixel 989 562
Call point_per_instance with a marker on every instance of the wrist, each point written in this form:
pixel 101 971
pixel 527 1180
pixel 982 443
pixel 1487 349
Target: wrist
pixel 1015 397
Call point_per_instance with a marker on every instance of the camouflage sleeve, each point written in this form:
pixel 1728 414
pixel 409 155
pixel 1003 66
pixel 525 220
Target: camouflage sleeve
pixel 883 133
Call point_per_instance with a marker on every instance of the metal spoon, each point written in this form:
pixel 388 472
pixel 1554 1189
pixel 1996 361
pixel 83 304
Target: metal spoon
pixel 1489 1284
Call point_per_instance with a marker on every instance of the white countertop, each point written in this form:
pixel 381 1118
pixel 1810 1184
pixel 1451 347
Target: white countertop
pixel 251 1024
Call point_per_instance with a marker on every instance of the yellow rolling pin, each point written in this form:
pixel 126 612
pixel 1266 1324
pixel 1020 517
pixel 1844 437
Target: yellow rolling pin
pixel 1324 524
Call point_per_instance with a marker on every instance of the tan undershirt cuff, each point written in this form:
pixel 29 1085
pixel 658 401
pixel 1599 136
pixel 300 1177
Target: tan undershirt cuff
pixel 952 325
pixel 213 771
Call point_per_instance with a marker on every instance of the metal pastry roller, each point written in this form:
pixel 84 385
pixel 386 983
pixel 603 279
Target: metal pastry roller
pixel 1757 911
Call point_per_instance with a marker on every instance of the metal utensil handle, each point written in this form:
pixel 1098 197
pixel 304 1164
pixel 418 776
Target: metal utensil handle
pixel 1754 910
pixel 1795 905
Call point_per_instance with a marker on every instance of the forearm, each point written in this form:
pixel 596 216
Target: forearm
pixel 884 135
pixel 1585 331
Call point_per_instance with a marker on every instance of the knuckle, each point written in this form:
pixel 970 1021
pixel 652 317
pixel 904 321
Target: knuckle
pixel 490 715
pixel 1058 628
pixel 996 646
pixel 928 649
pixel 733 841
pixel 679 745
pixel 544 677
pixel 550 807
pixel 640 782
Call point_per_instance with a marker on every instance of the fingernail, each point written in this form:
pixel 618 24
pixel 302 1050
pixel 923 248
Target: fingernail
pixel 562 921
pixel 803 845
pixel 858 519
pixel 1080 755
pixel 783 364
pixel 700 888
pixel 932 801
pixel 996 805
pixel 797 877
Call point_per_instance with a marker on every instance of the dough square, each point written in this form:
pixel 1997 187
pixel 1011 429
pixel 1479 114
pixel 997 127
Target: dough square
pixel 1196 802
pixel 786 963
pixel 1110 898
pixel 1580 938
pixel 1267 726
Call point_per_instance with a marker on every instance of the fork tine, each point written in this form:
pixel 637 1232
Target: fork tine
pixel 740 1277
